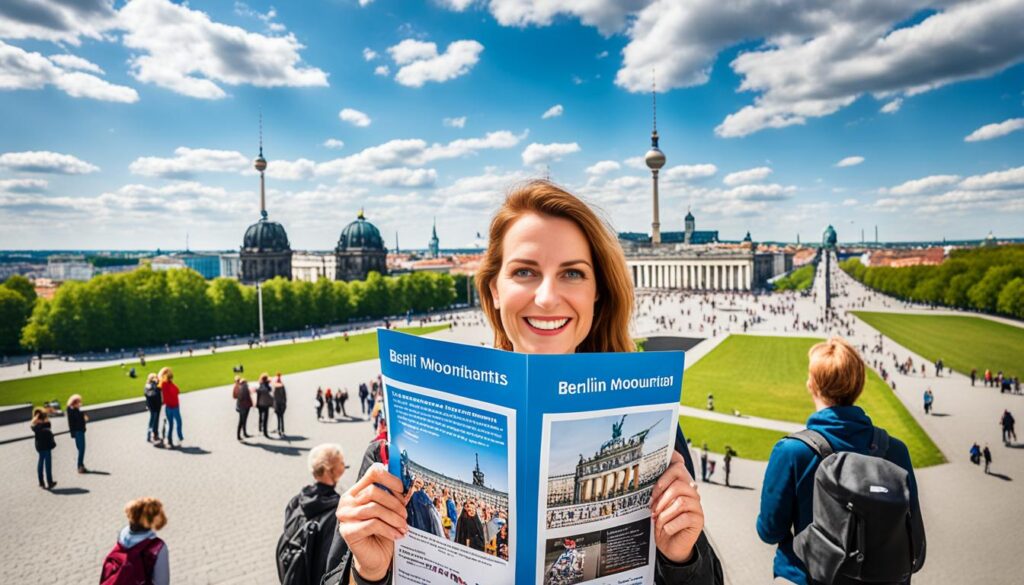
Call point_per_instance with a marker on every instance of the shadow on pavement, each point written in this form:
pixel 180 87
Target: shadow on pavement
pixel 290 438
pixel 96 472
pixel 191 450
pixel 279 449
pixel 940 414
pixel 70 491
pixel 345 421
pixel 1001 476
pixel 1015 445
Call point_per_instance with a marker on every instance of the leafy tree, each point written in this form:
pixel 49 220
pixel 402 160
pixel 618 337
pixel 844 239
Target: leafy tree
pixel 985 294
pixel 12 319
pixel 1011 298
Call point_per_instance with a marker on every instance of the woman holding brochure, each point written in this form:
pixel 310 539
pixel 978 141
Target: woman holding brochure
pixel 554 280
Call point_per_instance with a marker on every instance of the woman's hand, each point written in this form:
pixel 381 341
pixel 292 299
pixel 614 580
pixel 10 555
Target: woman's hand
pixel 676 511
pixel 370 519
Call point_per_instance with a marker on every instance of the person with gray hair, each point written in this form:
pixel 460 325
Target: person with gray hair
pixel 309 519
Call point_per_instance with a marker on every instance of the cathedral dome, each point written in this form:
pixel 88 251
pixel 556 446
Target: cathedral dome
pixel 828 238
pixel 360 234
pixel 266 236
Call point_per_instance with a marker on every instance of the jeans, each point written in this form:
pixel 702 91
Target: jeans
pixel 154 425
pixel 79 437
pixel 243 419
pixel 264 414
pixel 174 415
pixel 280 420
pixel 45 460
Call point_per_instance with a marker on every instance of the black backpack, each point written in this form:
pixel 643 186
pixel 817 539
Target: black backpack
pixel 295 546
pixel 861 530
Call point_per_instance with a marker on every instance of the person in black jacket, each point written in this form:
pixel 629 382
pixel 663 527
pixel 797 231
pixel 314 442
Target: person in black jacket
pixel 243 403
pixel 280 403
pixel 319 501
pixel 76 425
pixel 469 531
pixel 319 403
pixel 154 402
pixel 264 400
pixel 44 446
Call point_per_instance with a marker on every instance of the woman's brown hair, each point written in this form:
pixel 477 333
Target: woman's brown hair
pixel 613 309
pixel 145 514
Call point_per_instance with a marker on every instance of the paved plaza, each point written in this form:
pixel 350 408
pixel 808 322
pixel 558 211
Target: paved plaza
pixel 225 499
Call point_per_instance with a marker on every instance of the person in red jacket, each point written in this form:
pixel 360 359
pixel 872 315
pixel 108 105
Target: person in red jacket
pixel 170 393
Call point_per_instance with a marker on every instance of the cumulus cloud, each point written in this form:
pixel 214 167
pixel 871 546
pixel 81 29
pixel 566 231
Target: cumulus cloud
pixel 892 107
pixel 20 69
pixel 689 172
pixel 354 117
pixel 189 161
pixel 603 167
pixel 923 185
pixel 369 54
pixel 420 62
pixel 459 122
pixel 382 70
pixel 635 162
pixel 23 185
pixel 456 5
pixel 333 143
pixel 267 18
pixel 849 202
pixel 1001 191
pixel 291 170
pixel 850 161
pixel 68 61
pixel 479 192
pixel 536 154
pixel 747 176
pixel 553 112
pixel 59 22
pixel 182 50
pixel 46 162
pixel 990 131
pixel 608 16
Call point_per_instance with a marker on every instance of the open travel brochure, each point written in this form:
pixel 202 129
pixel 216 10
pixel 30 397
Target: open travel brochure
pixel 549 461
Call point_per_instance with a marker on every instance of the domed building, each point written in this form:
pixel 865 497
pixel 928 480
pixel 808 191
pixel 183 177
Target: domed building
pixel 828 238
pixel 265 251
pixel 360 250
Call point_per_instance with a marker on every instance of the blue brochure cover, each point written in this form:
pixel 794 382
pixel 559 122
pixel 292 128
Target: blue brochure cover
pixel 527 468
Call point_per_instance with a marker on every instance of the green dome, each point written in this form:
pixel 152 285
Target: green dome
pixel 360 234
pixel 266 236
pixel 828 237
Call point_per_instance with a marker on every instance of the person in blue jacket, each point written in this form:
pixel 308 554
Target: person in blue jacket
pixel 835 381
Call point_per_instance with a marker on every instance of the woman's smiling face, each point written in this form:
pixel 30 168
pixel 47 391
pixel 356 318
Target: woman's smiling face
pixel 546 288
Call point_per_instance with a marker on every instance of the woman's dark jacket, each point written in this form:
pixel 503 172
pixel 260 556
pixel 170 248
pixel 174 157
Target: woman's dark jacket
pixel 154 398
pixel 44 437
pixel 703 569
pixel 244 399
pixel 469 528
pixel 76 420
pixel 264 397
pixel 280 398
pixel 318 500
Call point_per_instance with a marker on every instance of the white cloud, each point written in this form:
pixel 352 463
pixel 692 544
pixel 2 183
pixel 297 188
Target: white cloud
pixel 553 112
pixel 59 22
pixel 747 176
pixel 850 161
pixel 990 131
pixel 609 16
pixel 291 170
pixel 999 191
pixel 923 185
pixel 23 185
pixel 536 154
pixel 635 162
pixel 849 202
pixel 20 69
pixel 892 107
pixel 688 172
pixel 354 117
pixel 242 9
pixel 369 54
pixel 75 62
pixel 996 180
pixel 382 70
pixel 46 162
pixel 333 144
pixel 481 192
pixel 602 54
pixel 466 146
pixel 182 50
pixel 603 167
pixel 459 122
pixel 420 62
pixel 365 3
pixel 189 161
pixel 456 5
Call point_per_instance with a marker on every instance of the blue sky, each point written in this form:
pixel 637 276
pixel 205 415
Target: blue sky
pixel 130 124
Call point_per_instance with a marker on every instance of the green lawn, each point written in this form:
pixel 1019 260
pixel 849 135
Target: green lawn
pixel 961 342
pixel 766 377
pixel 112 383
pixel 749 442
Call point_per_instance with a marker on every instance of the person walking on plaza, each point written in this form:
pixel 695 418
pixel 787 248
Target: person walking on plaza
pixel 329 397
pixel 987 454
pixel 140 556
pixel 704 461
pixel 317 503
pixel 264 401
pixel 45 444
pixel 938 368
pixel 789 498
pixel 1007 422
pixel 154 402
pixel 975 454
pixel 319 403
pixel 727 459
pixel 243 404
pixel 170 393
pixel 337 402
pixel 363 395
pixel 974 375
pixel 342 398
pixel 280 403
pixel 929 399
pixel 76 425
pixel 988 377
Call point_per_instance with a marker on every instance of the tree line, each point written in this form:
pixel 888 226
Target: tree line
pixel 146 308
pixel 989 279
pixel 799 279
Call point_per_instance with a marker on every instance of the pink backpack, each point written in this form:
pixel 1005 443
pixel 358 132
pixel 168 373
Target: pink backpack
pixel 131 566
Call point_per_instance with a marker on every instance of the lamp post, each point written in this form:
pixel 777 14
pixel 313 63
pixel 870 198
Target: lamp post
pixel 259 302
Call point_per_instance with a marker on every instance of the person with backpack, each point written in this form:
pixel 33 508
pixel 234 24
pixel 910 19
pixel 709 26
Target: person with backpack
pixel 154 402
pixel 975 454
pixel 816 488
pixel 243 404
pixel 172 405
pixel 45 444
pixel 140 556
pixel 309 522
pixel 280 403
pixel 264 400
pixel 1008 423
pixel 929 399
pixel 76 426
